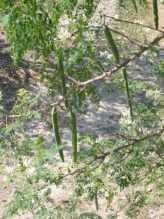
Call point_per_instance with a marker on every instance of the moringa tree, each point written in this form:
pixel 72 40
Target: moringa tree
pixel 62 33
pixel 64 30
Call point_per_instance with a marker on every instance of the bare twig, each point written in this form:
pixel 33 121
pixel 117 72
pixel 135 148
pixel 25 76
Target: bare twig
pixel 135 42
pixel 116 68
pixel 134 23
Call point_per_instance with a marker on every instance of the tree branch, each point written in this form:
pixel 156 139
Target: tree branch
pixel 135 42
pixel 116 68
pixel 134 23
pixel 102 157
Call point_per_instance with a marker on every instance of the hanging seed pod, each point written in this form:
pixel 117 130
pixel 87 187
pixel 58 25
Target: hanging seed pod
pixel 128 92
pixel 112 44
pixel 117 59
pixel 69 108
pixel 96 201
pixel 55 125
pixel 74 135
pixel 155 12
pixel 62 75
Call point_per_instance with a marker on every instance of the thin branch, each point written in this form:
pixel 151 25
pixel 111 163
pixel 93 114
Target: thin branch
pixel 81 170
pixel 135 42
pixel 100 159
pixel 116 68
pixel 155 134
pixel 134 23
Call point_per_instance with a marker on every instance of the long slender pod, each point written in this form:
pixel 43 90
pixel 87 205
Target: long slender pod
pixel 115 52
pixel 73 120
pixel 128 93
pixel 74 135
pixel 62 75
pixel 96 201
pixel 55 124
pixel 112 44
pixel 155 12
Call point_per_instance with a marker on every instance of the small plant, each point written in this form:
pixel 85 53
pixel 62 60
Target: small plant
pixel 159 68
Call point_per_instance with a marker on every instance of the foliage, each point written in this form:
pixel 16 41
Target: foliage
pixel 38 25
pixel 159 68
pixel 61 34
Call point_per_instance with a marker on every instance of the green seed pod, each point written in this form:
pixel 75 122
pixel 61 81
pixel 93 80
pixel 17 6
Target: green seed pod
pixel 62 75
pixel 96 201
pixel 112 44
pixel 155 12
pixel 128 92
pixel 117 59
pixel 74 135
pixel 55 124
